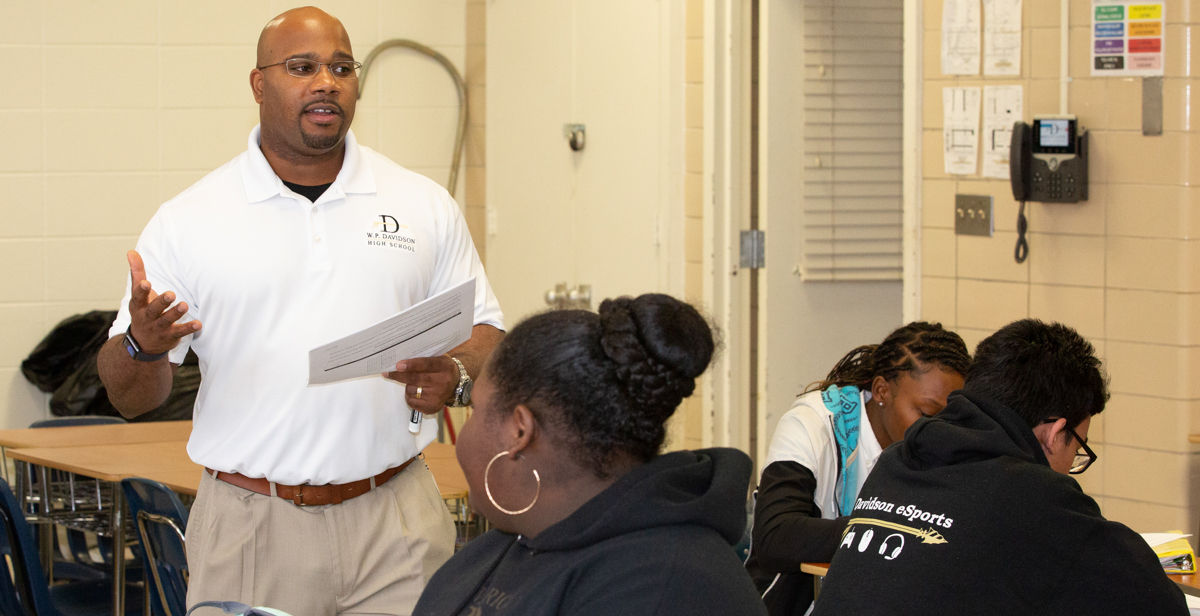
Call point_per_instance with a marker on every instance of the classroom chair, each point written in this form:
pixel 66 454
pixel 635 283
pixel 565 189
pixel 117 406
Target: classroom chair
pixel 26 590
pixel 161 519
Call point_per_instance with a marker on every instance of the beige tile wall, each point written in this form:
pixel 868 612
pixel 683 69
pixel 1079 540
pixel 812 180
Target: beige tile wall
pixel 1121 268
pixel 691 413
pixel 124 104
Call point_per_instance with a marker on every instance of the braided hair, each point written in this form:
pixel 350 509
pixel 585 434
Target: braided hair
pixel 605 383
pixel 907 350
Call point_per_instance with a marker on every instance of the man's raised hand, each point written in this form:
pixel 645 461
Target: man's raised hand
pixel 153 318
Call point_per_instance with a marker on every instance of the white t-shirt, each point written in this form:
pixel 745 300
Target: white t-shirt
pixel 805 435
pixel 271 275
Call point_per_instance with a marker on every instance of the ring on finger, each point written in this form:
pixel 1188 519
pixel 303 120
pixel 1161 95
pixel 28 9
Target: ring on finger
pixel 418 396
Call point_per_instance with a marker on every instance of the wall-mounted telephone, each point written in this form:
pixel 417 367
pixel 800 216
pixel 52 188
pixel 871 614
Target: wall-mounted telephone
pixel 1048 163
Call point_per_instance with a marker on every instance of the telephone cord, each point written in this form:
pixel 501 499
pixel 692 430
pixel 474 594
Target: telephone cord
pixel 1022 251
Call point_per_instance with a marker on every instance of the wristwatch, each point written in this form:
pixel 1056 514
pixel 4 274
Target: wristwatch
pixel 135 351
pixel 462 393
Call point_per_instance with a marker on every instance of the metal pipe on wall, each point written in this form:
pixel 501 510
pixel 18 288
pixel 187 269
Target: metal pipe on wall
pixel 459 84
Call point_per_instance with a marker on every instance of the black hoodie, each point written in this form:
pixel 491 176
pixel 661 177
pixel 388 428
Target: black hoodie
pixel 658 541
pixel 965 516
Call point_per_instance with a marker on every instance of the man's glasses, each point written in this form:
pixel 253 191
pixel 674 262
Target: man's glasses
pixel 307 69
pixel 1082 460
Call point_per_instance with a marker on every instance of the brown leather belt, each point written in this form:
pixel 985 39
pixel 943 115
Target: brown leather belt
pixel 306 495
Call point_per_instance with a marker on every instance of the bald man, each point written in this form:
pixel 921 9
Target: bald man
pixel 312 500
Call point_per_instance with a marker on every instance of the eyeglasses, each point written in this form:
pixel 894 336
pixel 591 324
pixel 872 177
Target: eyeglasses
pixel 1082 460
pixel 307 69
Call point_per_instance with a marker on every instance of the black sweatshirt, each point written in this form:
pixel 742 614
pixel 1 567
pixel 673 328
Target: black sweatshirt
pixel 965 516
pixel 657 542
pixel 789 531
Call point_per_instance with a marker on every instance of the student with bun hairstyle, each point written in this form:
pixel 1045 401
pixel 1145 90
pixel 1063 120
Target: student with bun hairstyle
pixel 826 445
pixel 562 457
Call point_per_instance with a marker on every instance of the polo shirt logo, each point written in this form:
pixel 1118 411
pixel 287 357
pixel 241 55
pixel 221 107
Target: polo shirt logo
pixel 387 232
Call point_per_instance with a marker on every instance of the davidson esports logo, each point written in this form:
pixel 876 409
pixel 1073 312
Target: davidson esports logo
pixel 387 232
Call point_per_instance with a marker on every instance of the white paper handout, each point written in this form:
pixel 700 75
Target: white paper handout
pixel 960 129
pixel 1001 37
pixel 1002 107
pixel 426 329
pixel 1157 539
pixel 960 37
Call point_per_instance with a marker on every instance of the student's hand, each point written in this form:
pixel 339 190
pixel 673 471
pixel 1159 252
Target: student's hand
pixel 153 317
pixel 437 378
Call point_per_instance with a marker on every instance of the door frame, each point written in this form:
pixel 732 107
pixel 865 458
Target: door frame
pixel 726 194
pixel 914 21
pixel 726 408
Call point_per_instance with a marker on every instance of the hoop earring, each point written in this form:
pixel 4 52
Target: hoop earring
pixel 488 490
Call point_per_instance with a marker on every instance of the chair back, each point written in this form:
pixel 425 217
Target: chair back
pixel 161 519
pixel 81 420
pixel 24 593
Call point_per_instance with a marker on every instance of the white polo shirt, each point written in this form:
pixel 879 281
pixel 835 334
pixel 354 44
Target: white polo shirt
pixel 271 276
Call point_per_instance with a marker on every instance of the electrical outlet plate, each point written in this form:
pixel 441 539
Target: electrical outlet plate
pixel 973 215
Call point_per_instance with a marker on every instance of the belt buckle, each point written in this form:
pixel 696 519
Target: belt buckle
pixel 298 496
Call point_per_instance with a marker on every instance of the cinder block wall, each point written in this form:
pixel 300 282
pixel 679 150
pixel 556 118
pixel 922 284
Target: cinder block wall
pixel 122 105
pixel 1122 268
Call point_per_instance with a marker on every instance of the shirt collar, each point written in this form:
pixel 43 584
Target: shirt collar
pixel 261 182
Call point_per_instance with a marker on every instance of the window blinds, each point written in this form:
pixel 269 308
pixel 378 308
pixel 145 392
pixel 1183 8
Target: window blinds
pixel 853 78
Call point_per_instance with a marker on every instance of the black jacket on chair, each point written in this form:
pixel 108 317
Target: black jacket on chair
pixel 965 516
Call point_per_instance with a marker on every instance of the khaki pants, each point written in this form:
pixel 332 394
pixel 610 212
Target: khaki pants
pixel 369 555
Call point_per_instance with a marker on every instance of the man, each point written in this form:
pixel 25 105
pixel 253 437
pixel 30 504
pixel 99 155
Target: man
pixel 311 502
pixel 974 511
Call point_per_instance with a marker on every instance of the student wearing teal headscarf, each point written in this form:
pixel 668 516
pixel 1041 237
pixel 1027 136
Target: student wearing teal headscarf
pixel 825 446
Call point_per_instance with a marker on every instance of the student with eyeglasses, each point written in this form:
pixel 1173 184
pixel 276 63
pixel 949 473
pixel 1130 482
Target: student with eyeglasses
pixel 313 500
pixel 976 512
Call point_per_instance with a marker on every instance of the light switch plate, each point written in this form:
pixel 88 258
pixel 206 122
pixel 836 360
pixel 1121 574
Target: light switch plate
pixel 973 215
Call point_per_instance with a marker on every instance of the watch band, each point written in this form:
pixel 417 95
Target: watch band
pixel 135 350
pixel 463 380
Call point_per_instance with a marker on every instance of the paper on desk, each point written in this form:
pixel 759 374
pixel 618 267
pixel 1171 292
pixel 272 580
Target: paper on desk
pixel 1157 539
pixel 428 328
pixel 1193 603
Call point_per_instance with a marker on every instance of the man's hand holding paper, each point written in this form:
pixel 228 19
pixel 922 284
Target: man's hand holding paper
pixel 436 377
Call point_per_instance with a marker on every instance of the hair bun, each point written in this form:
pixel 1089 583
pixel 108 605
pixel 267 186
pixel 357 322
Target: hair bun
pixel 660 346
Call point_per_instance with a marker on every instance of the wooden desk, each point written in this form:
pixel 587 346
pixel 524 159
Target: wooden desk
pixel 451 481
pixel 168 462
pixel 1189 584
pixel 818 571
pixel 111 434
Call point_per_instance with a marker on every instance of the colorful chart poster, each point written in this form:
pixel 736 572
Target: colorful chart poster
pixel 1127 38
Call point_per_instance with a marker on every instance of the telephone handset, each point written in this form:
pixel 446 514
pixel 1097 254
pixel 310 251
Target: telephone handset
pixel 1048 163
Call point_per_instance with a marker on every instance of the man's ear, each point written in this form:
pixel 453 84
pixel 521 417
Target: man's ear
pixel 522 428
pixel 1052 436
pixel 256 85
pixel 881 391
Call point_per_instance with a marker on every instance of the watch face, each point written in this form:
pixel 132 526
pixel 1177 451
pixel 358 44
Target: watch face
pixel 466 392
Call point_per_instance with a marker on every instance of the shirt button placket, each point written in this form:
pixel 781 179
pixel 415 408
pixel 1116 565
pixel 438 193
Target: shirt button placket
pixel 320 247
